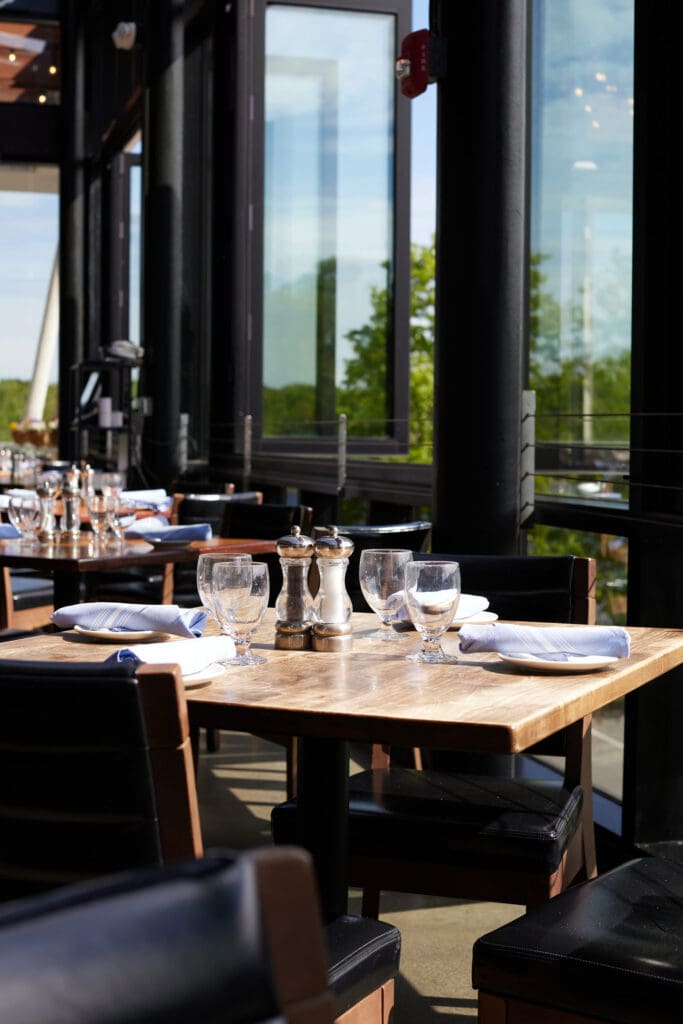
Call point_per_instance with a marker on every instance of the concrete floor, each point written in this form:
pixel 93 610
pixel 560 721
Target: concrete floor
pixel 237 788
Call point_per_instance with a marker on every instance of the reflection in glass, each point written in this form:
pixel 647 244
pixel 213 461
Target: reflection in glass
pixel 328 220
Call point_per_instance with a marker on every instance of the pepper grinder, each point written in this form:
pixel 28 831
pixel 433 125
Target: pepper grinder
pixel 294 604
pixel 71 499
pixel 46 491
pixel 332 606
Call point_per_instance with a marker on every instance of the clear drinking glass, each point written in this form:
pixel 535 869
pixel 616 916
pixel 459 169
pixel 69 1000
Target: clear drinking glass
pixel 205 567
pixel 381 572
pixel 432 596
pixel 119 516
pixel 25 514
pixel 240 593
pixel 98 513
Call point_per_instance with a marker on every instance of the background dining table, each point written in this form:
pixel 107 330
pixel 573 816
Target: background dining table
pixel 371 693
pixel 68 560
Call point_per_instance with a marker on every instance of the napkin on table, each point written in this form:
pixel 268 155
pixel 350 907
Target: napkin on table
pixel 193 531
pixel 8 532
pixel 546 641
pixel 150 524
pixel 192 655
pixel 117 616
pixel 156 498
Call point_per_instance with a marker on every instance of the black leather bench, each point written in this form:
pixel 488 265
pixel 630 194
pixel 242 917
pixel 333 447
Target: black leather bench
pixel 608 950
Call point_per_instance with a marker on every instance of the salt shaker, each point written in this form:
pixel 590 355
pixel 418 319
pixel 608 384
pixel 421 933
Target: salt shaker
pixel 294 604
pixel 46 490
pixel 332 606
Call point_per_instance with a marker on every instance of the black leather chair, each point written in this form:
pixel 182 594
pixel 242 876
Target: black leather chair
pixel 96 772
pixel 609 950
pixel 231 937
pixel 469 830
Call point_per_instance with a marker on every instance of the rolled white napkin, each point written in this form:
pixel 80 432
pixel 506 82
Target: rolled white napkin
pixel 120 617
pixel 193 656
pixel 155 497
pixel 193 531
pixel 468 605
pixel 546 641
pixel 150 524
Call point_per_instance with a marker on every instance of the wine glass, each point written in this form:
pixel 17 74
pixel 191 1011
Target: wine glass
pixel 119 516
pixel 432 596
pixel 381 572
pixel 240 591
pixel 205 567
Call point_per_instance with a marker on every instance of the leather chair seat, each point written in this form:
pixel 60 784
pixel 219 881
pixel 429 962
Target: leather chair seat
pixel 609 949
pixel 466 819
pixel 363 955
pixel 31 591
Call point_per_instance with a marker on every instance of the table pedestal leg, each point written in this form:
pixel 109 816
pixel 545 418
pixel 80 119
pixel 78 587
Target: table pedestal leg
pixel 322 816
pixel 67 588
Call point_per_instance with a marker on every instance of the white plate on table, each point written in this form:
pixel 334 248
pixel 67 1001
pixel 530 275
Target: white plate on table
pixel 573 663
pixel 479 619
pixel 120 636
pixel 207 675
pixel 164 542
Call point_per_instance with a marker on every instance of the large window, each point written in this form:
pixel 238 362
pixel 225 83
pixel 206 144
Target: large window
pixel 332 341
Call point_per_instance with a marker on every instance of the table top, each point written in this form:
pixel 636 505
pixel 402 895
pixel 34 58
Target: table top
pixel 372 693
pixel 83 555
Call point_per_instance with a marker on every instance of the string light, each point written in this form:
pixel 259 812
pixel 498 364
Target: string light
pixel 11 56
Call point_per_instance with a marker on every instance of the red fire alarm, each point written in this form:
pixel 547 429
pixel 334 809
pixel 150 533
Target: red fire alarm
pixel 412 64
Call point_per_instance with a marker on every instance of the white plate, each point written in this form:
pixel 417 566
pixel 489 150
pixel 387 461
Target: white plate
pixel 480 619
pixel 207 675
pixel 120 636
pixel 166 542
pixel 574 663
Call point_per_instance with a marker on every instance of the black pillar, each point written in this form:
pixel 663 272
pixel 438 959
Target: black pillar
pixel 162 154
pixel 72 218
pixel 481 259
pixel 653 759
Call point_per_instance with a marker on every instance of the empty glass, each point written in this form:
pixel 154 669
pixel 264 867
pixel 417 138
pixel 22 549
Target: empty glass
pixel 240 593
pixel 432 596
pixel 381 573
pixel 205 567
pixel 25 514
pixel 119 515
pixel 98 513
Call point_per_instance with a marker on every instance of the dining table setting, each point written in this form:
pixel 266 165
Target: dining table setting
pixel 499 687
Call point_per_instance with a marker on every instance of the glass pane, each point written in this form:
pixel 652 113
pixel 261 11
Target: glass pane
pixel 29 299
pixel 581 245
pixel 328 220
pixel 30 63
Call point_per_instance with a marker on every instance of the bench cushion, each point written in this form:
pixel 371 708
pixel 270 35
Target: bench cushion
pixel 611 948
pixel 363 955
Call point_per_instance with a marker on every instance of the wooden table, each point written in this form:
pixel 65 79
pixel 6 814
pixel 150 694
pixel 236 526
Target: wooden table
pixel 67 560
pixel 371 693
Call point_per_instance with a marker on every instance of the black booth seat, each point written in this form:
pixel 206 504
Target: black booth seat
pixel 608 950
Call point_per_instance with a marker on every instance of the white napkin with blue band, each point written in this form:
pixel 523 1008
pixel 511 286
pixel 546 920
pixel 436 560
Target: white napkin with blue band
pixel 549 642
pixel 120 617
pixel 150 524
pixel 192 531
pixel 193 656
pixel 152 498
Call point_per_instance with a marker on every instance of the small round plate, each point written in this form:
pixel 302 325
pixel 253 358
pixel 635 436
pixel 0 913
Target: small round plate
pixel 120 636
pixel 164 542
pixel 479 619
pixel 206 676
pixel 573 663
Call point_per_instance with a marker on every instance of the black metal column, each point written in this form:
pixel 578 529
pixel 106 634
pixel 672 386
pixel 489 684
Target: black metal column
pixel 72 219
pixel 653 759
pixel 481 258
pixel 162 260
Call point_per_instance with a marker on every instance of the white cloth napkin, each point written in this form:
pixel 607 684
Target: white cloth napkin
pixel 550 642
pixel 468 605
pixel 156 498
pixel 120 617
pixel 193 531
pixel 150 524
pixel 193 656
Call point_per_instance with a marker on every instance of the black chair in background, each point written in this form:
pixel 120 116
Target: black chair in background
pixel 96 773
pixel 468 829
pixel 414 536
pixel 230 937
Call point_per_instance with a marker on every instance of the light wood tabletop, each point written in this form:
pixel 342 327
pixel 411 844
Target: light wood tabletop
pixel 372 693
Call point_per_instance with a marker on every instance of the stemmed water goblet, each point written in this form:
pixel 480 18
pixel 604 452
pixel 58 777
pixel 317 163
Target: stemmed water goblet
pixel 119 516
pixel 25 515
pixel 98 514
pixel 381 573
pixel 205 566
pixel 432 594
pixel 240 593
